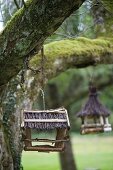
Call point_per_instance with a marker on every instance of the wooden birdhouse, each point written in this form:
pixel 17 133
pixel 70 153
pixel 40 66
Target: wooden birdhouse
pixel 45 120
pixel 94 115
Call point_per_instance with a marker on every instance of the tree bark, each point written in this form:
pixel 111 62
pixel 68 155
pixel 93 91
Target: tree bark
pixel 28 29
pixel 66 158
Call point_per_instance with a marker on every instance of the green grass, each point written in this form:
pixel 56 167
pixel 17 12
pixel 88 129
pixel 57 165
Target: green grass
pixel 89 151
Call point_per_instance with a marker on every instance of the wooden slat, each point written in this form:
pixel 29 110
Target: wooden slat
pixel 61 134
pixel 92 130
pixel 45 120
pixel 22 119
pixel 67 118
pixel 47 140
pixel 43 149
pixel 91 125
pixel 28 136
pixel 61 110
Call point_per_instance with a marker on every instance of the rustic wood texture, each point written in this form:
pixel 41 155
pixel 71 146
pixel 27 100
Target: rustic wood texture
pixel 61 134
pixel 92 125
pixel 44 148
pixel 93 108
pixel 92 130
pixel 28 136
pixel 45 120
pixel 47 140
pixel 59 110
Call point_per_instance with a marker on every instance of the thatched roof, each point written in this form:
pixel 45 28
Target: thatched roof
pixel 46 119
pixel 93 107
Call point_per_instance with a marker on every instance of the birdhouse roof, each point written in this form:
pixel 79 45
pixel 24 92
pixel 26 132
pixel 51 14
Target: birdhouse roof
pixel 93 107
pixel 45 119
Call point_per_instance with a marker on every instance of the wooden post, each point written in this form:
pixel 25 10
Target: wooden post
pixel 61 133
pixel 106 121
pixel 82 120
pixel 28 136
pixel 101 120
pixel 85 120
pixel 22 119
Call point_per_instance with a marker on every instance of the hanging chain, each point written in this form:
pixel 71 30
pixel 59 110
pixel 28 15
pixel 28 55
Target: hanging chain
pixel 92 77
pixel 42 68
pixel 42 76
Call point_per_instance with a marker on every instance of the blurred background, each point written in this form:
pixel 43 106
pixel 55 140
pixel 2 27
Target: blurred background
pixel 70 89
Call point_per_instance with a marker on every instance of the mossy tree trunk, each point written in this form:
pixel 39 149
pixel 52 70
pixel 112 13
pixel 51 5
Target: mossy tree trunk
pixel 22 37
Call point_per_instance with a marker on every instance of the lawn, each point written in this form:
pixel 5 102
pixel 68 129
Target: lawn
pixel 90 152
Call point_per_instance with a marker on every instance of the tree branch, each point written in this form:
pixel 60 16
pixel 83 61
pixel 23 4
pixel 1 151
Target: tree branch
pixel 29 28
pixel 78 53
pixel 16 3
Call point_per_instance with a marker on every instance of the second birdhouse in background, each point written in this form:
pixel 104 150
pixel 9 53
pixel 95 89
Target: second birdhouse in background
pixel 94 115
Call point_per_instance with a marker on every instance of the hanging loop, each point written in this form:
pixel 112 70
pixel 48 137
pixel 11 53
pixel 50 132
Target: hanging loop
pixel 91 81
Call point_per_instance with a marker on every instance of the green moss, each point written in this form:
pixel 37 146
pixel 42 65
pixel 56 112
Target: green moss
pixel 17 16
pixel 14 18
pixel 80 48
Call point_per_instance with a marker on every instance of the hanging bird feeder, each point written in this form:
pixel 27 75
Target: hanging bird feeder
pixel 94 115
pixel 45 120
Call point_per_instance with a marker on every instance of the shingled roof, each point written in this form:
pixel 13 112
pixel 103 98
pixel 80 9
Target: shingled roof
pixel 93 107
pixel 45 119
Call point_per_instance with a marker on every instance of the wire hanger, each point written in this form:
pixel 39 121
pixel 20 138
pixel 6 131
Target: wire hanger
pixel 42 82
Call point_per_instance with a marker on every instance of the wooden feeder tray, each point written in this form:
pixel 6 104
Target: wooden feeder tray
pixel 92 128
pixel 45 120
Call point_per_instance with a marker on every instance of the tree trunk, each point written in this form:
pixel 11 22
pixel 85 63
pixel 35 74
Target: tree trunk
pixel 10 130
pixel 66 158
